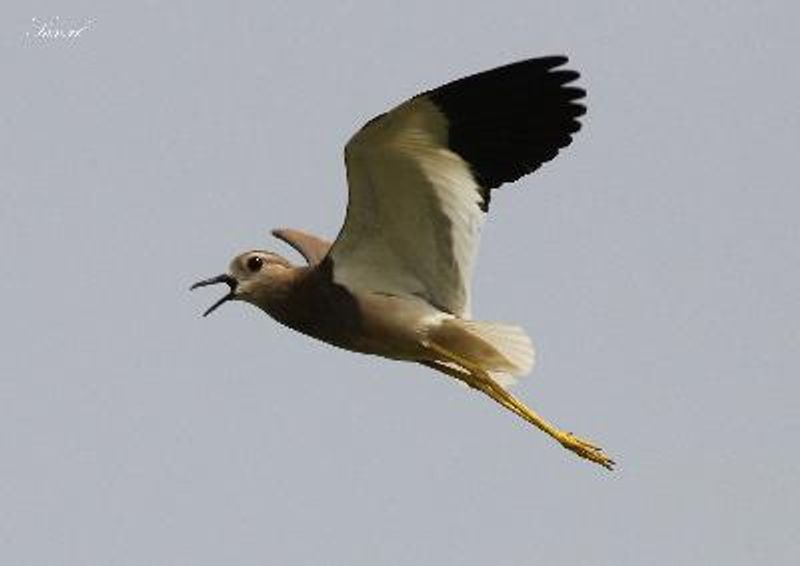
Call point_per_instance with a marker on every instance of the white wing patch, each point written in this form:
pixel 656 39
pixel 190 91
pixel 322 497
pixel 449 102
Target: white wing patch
pixel 413 217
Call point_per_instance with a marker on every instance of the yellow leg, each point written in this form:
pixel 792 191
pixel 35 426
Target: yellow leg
pixel 478 378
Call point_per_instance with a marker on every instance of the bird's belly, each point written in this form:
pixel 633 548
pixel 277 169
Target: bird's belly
pixel 395 326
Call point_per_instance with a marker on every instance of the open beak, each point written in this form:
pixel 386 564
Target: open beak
pixel 224 278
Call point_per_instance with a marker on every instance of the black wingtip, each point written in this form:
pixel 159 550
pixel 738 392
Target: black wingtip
pixel 551 61
pixel 507 121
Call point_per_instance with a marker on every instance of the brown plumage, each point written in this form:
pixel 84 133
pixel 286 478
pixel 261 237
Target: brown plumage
pixel 396 281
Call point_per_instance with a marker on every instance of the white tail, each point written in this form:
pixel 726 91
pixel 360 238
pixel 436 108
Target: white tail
pixel 509 353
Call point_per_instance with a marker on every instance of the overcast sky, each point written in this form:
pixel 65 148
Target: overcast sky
pixel 655 262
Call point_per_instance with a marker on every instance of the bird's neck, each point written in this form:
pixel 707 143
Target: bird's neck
pixel 307 300
pixel 280 298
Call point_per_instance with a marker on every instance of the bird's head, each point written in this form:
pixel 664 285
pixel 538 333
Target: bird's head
pixel 252 277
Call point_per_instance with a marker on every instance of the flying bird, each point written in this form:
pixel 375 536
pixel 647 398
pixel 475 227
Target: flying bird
pixel 396 281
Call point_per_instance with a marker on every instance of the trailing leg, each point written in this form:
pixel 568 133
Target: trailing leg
pixel 478 378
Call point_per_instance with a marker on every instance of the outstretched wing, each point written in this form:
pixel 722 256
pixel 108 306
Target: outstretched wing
pixel 312 248
pixel 420 177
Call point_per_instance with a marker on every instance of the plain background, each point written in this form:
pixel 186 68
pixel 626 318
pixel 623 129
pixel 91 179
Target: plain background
pixel 655 263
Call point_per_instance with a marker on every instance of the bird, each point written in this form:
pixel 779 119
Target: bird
pixel 396 280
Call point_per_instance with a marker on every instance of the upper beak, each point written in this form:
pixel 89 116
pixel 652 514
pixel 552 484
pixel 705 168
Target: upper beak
pixel 224 278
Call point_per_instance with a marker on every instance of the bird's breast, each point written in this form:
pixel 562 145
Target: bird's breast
pixel 394 326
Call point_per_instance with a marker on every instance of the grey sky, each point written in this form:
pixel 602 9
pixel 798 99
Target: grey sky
pixel 655 263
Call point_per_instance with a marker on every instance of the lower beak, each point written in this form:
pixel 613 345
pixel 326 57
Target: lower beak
pixel 224 278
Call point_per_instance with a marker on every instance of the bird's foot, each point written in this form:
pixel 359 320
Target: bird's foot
pixel 585 449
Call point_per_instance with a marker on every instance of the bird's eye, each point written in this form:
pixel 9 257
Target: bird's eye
pixel 254 263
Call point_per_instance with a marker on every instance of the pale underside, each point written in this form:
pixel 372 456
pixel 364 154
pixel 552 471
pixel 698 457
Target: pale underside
pixel 413 216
